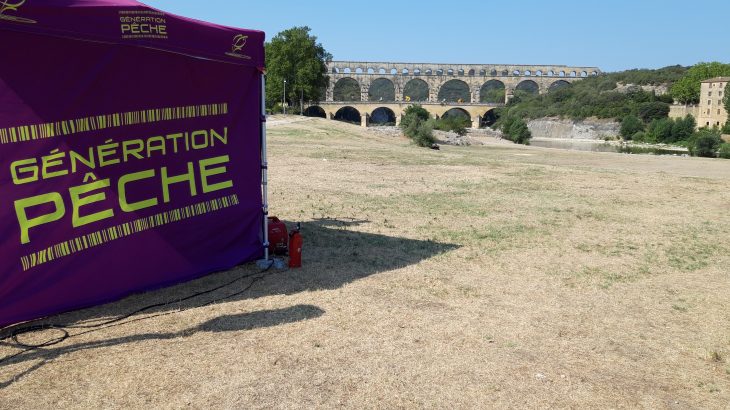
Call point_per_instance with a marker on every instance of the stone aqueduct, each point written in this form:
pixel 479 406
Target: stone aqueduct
pixel 443 89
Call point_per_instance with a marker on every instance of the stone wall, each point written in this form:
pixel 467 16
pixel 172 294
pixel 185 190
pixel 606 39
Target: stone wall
pixel 681 111
pixel 588 129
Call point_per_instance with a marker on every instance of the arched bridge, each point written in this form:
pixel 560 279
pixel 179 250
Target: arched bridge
pixel 380 92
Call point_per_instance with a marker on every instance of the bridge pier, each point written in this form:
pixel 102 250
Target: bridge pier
pixel 365 120
pixel 476 122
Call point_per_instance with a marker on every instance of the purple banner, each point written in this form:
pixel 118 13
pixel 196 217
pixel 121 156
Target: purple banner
pixel 122 168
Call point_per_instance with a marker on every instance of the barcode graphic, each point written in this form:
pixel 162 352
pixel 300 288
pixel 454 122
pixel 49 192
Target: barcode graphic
pixel 101 237
pixel 100 122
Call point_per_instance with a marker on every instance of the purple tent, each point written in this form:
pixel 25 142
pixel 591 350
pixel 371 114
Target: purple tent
pixel 132 152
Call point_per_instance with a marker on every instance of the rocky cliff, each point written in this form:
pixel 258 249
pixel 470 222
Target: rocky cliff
pixel 588 129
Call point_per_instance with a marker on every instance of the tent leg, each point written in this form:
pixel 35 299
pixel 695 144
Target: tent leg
pixel 264 263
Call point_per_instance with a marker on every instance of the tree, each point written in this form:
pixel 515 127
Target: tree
pixel 295 56
pixel 726 98
pixel 704 143
pixel 687 89
pixel 683 129
pixel 652 110
pixel 630 125
pixel 516 131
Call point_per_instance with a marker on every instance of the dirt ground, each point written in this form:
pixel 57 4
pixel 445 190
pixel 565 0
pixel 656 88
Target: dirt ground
pixel 494 276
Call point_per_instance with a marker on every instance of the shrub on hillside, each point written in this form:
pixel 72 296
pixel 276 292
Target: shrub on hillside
pixel 413 112
pixel 724 151
pixel 652 110
pixel 704 143
pixel 420 132
pixel 453 124
pixel 515 129
pixel 630 125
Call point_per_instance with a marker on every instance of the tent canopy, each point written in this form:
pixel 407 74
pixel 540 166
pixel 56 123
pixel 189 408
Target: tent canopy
pixel 131 149
pixel 130 22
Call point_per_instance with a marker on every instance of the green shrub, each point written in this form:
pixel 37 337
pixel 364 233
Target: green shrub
pixel 725 150
pixel 630 125
pixel 418 128
pixel 518 132
pixel 454 124
pixel 640 136
pixel 652 110
pixel 704 143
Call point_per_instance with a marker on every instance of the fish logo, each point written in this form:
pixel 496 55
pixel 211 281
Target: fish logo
pixel 239 42
pixel 13 6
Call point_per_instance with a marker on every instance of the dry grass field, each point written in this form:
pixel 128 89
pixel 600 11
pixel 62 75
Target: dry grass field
pixel 493 276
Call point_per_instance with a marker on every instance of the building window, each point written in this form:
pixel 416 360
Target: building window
pixel 709 94
pixel 718 112
pixel 709 102
pixel 719 102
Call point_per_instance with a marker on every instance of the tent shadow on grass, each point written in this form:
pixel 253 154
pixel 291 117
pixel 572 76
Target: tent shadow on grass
pixel 333 255
pixel 226 323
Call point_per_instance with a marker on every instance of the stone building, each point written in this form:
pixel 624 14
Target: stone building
pixel 711 110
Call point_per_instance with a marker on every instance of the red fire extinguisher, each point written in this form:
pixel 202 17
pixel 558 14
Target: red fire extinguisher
pixel 295 247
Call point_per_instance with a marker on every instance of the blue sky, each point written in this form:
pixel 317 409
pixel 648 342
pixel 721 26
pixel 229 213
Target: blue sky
pixel 613 35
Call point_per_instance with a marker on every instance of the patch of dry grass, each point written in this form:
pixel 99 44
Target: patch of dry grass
pixel 494 276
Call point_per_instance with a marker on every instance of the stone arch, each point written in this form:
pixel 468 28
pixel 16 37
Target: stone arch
pixel 347 89
pixel 347 70
pixel 505 73
pixel 335 70
pixel 429 71
pixel 404 71
pixel 538 73
pixel 461 72
pixel 594 73
pixel 348 114
pixel 417 71
pixel 516 73
pixel 561 74
pixel 381 89
pixel 488 119
pixel 493 73
pixel 528 86
pixel 454 91
pixel 558 85
pixel 457 112
pixel 371 71
pixel 450 71
pixel 381 71
pixel 528 73
pixel 551 73
pixel 358 70
pixel 315 111
pixel 573 74
pixel 492 92
pixel 472 73
pixel 382 116
pixel 583 74
pixel 416 90
pixel 393 71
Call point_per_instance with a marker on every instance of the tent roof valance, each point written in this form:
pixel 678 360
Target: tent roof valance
pixel 128 22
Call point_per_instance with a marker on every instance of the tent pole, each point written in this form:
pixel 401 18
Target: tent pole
pixel 264 169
